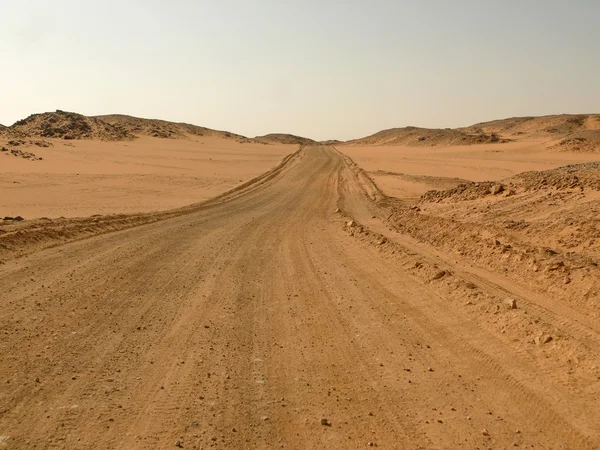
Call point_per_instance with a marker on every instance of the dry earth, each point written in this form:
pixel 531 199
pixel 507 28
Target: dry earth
pixel 307 309
pixel 407 172
pixel 87 177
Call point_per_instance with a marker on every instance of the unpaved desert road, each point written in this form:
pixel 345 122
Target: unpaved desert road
pixel 245 322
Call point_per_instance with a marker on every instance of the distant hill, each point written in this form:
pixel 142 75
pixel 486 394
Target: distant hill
pixel 68 125
pixel 426 137
pixel 164 129
pixel 565 132
pixel 544 126
pixel 282 138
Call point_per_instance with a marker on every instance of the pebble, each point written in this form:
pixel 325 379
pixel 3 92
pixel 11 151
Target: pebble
pixel 485 432
pixel 325 422
pixel 440 274
pixel 511 303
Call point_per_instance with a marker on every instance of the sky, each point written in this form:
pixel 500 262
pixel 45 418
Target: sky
pixel 323 69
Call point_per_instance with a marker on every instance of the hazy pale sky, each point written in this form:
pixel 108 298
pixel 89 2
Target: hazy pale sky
pixel 319 68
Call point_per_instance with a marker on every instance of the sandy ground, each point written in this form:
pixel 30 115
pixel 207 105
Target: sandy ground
pixel 293 312
pixel 83 178
pixel 407 172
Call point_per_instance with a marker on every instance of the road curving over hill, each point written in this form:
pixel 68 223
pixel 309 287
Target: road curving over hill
pixel 260 320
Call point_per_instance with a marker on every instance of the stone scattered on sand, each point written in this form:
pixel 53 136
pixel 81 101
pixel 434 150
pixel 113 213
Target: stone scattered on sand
pixel 511 303
pixel 543 339
pixel 325 422
pixel 496 189
pixel 350 223
pixel 440 274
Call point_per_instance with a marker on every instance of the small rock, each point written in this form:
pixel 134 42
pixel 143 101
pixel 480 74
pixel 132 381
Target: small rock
pixel 179 444
pixel 382 241
pixel 496 189
pixel 440 274
pixel 543 339
pixel 511 303
pixel 337 210
pixel 325 422
pixel 485 432
pixel 350 223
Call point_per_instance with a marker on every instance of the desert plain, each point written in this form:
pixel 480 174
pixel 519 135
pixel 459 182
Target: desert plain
pixel 170 286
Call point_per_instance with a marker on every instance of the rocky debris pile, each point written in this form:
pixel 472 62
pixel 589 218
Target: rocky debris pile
pixel 29 142
pixel 21 154
pixel 68 126
pixel 468 191
pixel 574 176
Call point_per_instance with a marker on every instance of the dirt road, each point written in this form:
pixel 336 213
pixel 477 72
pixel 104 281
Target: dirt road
pixel 249 321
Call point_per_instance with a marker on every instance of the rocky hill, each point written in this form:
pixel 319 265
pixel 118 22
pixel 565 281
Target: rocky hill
pixel 164 129
pixel 68 125
pixel 544 126
pixel 282 138
pixel 427 137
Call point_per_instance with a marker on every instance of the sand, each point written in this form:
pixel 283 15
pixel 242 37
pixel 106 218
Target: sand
pixel 83 178
pixel 306 310
pixel 407 172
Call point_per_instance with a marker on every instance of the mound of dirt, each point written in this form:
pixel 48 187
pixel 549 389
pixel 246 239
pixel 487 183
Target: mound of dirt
pixel 282 138
pixel 576 176
pixel 415 136
pixel 67 125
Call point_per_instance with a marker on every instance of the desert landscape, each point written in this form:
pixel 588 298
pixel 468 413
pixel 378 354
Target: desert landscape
pixel 166 285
